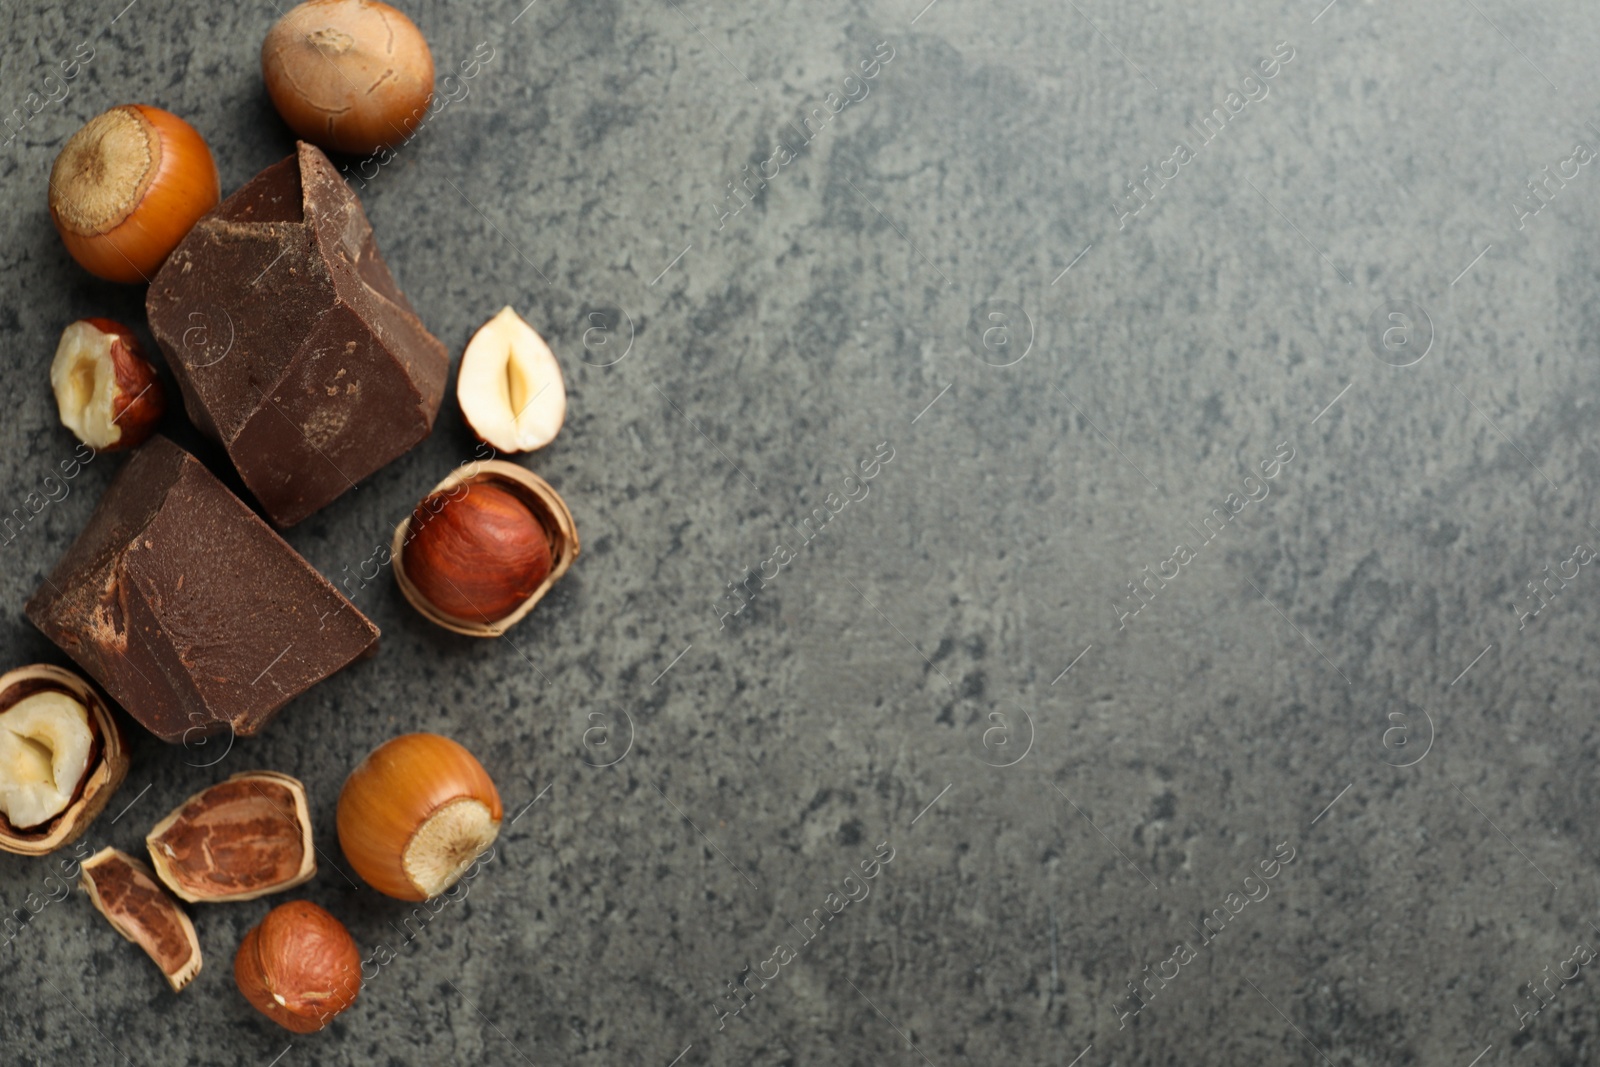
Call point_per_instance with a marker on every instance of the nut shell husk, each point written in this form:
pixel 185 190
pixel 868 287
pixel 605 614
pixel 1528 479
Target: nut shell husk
pixel 128 895
pixel 546 505
pixel 220 845
pixel 108 760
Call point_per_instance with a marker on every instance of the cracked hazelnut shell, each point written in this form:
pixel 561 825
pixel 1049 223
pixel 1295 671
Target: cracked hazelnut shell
pixel 534 493
pixel 240 839
pixel 107 764
pixel 128 895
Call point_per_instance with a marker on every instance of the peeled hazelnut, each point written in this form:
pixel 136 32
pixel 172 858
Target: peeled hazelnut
pixel 299 967
pixel 62 755
pixel 125 892
pixel 483 548
pixel 510 386
pixel 239 840
pixel 44 753
pixel 106 391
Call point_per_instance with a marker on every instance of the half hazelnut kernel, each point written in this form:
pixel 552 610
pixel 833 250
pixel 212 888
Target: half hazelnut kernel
pixel 126 893
pixel 238 840
pixel 415 814
pixel 483 548
pixel 299 967
pixel 509 386
pixel 62 755
pixel 107 393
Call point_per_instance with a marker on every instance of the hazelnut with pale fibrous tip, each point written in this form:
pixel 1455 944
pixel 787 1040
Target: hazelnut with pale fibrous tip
pixel 106 392
pixel 415 814
pixel 349 75
pixel 127 187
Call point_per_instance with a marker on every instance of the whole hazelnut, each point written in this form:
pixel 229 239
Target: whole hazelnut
pixel 299 967
pixel 348 75
pixel 477 552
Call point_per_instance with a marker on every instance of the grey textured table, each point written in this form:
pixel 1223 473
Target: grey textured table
pixel 1084 348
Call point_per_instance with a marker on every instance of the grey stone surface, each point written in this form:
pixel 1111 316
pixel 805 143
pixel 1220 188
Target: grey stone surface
pixel 1366 614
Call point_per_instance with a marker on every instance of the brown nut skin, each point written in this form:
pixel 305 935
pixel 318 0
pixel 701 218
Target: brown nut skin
pixel 131 413
pixel 538 496
pixel 238 840
pixel 348 75
pixel 108 761
pixel 476 554
pixel 299 967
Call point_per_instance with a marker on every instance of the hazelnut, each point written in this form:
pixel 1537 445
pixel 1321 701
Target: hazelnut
pixel 510 386
pixel 238 840
pixel 106 391
pixel 415 814
pixel 299 967
pixel 483 548
pixel 477 555
pixel 349 75
pixel 62 755
pixel 126 893
pixel 127 187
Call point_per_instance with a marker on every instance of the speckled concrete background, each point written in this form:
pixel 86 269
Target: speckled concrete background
pixel 1348 283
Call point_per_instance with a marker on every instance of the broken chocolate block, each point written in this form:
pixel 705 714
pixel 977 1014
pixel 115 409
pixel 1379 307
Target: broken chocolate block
pixel 290 340
pixel 188 609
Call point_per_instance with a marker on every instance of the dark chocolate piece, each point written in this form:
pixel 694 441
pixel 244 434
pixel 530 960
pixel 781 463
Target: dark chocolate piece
pixel 188 609
pixel 290 340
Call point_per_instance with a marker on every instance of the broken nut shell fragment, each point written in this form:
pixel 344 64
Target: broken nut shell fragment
pixel 537 495
pixel 238 840
pixel 105 769
pixel 128 895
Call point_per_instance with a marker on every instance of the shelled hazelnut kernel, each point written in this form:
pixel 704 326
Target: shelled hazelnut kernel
pixel 476 555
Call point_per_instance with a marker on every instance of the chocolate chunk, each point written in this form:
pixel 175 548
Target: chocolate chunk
pixel 290 340
pixel 188 609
